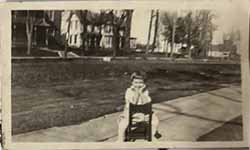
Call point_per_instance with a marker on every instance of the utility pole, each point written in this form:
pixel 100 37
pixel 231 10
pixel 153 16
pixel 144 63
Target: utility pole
pixel 149 31
pixel 156 29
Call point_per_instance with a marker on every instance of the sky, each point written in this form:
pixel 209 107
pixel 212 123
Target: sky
pixel 226 19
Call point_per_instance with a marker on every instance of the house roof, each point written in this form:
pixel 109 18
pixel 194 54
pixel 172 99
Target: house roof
pixel 43 23
pixel 39 21
pixel 91 17
pixel 97 18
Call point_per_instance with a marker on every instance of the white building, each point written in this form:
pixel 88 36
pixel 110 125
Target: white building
pixel 76 29
pixel 74 37
pixel 107 36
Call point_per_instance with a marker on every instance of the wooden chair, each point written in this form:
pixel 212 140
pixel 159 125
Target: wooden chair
pixel 139 130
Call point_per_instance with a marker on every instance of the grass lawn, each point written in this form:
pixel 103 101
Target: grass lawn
pixel 43 99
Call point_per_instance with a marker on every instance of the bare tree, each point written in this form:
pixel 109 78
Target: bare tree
pixel 205 28
pixel 83 20
pixel 129 14
pixel 116 22
pixel 66 44
pixel 189 22
pixel 29 22
pixel 173 35
pixel 231 41
pixel 194 29
pixel 169 21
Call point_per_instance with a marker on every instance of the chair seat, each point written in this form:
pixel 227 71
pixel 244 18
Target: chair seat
pixel 140 118
pixel 138 131
pixel 139 124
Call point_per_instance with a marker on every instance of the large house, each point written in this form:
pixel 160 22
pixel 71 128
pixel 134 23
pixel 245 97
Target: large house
pixel 98 36
pixel 45 32
pixel 51 31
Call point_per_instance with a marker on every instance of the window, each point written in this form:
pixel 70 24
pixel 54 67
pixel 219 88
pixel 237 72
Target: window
pixel 75 38
pixel 70 39
pixel 76 24
pixel 53 15
pixel 109 29
pixel 71 25
pixel 108 41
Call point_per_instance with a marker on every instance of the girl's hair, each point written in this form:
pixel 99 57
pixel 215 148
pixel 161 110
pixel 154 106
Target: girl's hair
pixel 138 75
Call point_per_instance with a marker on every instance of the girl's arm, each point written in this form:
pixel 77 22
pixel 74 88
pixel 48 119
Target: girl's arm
pixel 128 97
pixel 145 96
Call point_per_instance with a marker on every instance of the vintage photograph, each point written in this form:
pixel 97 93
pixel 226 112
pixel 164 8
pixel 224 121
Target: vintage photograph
pixel 126 75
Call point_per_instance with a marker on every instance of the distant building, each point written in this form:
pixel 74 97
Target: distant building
pixel 225 50
pixel 107 36
pixel 51 30
pixel 74 37
pixel 162 44
pixel 98 36
pixel 133 43
pixel 45 28
pixel 216 51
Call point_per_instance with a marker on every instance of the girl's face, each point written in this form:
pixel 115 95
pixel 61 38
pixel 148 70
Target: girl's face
pixel 138 83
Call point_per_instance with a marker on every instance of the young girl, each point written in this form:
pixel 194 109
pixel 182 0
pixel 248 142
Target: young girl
pixel 137 94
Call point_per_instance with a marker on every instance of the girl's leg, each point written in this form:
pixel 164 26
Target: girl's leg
pixel 123 124
pixel 155 124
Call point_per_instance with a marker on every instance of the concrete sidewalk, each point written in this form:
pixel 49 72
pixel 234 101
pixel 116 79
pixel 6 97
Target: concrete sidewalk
pixel 182 119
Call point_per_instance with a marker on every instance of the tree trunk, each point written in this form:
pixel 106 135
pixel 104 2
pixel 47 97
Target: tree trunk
pixel 99 37
pixel 29 44
pixel 166 47
pixel 84 33
pixel 127 35
pixel 156 30
pixel 149 31
pixel 29 31
pixel 92 38
pixel 115 40
pixel 173 38
pixel 67 40
pixel 189 42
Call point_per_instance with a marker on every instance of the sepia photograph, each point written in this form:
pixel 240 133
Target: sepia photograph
pixel 127 75
pixel 182 70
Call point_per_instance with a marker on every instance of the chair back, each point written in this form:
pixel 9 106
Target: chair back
pixel 144 127
pixel 145 109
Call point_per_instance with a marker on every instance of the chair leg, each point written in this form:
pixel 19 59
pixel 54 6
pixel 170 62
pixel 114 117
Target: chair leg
pixel 126 135
pixel 150 133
